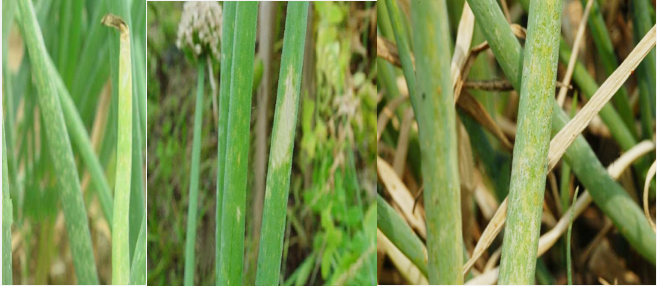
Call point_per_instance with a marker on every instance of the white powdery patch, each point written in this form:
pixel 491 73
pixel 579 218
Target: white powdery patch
pixel 239 213
pixel 200 28
pixel 285 124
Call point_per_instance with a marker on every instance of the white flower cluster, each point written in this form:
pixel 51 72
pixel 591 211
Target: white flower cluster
pixel 200 28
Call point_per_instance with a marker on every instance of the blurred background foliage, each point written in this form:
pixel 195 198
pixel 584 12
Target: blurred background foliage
pixel 330 231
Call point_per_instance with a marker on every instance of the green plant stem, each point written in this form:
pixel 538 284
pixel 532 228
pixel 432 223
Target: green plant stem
pixel 93 68
pixel 121 227
pixel 60 150
pixel 646 70
pixel 434 109
pixel 282 145
pixel 402 47
pixel 70 26
pixel 138 267
pixel 8 15
pixel 609 116
pixel 78 134
pixel 529 167
pixel 606 193
pixel 605 49
pixel 228 28
pixel 237 146
pixel 588 86
pixel 507 50
pixel 192 211
pixel 80 138
pixel 7 214
pixel 122 8
pixel 400 234
pixel 610 197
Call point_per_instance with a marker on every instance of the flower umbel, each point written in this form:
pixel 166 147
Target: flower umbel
pixel 200 28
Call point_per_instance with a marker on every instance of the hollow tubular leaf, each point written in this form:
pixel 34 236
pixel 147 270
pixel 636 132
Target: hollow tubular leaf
pixel 60 149
pixel 120 230
pixel 192 211
pixel 122 9
pixel 237 145
pixel 282 145
pixel 612 199
pixel 228 27
pixel 528 173
pixel 606 193
pixel 434 110
pixel 400 234
pixel 80 138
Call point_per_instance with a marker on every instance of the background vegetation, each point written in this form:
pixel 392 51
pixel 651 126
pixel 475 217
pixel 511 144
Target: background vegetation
pixel 330 215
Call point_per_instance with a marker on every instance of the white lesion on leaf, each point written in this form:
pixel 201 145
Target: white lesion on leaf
pixel 286 115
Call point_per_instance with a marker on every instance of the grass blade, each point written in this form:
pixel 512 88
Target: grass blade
pixel 192 211
pixel 528 173
pixel 228 27
pixel 60 150
pixel 7 213
pixel 434 108
pixel 120 230
pixel 282 145
pixel 237 145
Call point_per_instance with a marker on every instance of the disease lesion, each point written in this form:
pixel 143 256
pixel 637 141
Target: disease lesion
pixel 115 21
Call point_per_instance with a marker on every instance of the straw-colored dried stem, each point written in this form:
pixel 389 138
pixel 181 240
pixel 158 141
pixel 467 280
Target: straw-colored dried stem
pixel 567 135
pixel 573 58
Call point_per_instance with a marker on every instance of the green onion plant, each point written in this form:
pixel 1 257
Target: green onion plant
pixel 529 168
pixel 282 145
pixel 228 28
pixel 433 104
pixel 60 149
pixel 237 146
pixel 120 234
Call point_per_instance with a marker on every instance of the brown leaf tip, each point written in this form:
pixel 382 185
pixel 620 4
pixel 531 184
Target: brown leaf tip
pixel 115 21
